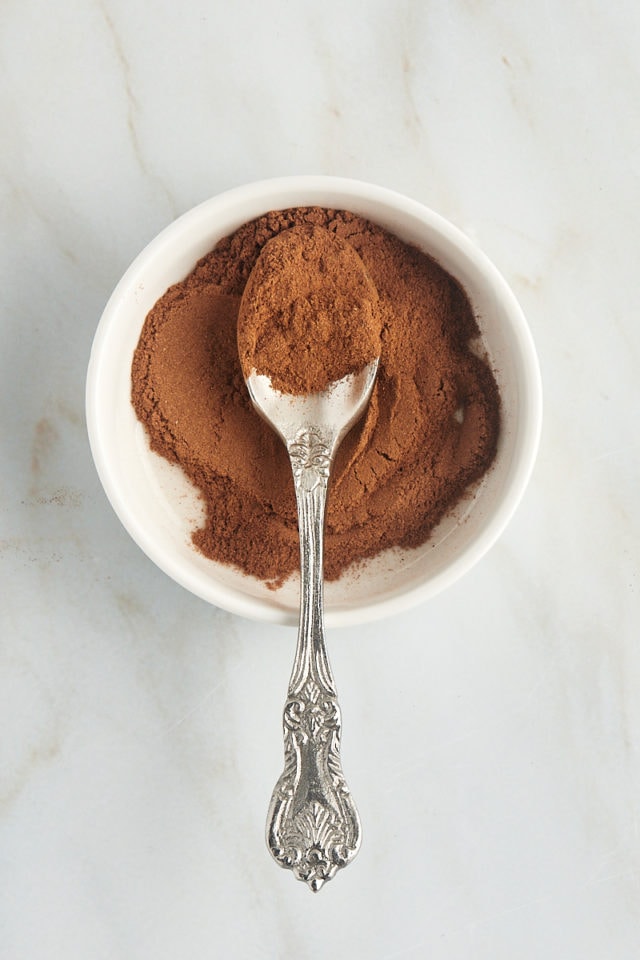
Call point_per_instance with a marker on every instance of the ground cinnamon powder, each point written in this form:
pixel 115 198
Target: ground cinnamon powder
pixel 430 431
pixel 309 312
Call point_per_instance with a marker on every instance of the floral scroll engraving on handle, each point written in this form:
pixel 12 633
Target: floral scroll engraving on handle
pixel 314 828
pixel 310 459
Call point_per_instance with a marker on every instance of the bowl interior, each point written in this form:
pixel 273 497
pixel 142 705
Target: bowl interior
pixel 160 509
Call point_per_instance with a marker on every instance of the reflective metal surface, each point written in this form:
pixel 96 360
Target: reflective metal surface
pixel 313 826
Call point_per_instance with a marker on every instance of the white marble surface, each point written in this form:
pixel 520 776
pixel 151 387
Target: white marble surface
pixel 490 737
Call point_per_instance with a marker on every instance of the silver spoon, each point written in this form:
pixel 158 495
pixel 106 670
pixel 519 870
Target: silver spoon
pixel 313 826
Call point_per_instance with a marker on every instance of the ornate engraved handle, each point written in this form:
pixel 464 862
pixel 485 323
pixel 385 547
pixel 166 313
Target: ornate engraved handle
pixel 313 826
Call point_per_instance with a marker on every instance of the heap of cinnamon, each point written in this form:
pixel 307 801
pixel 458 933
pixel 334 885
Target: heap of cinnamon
pixel 429 434
pixel 309 312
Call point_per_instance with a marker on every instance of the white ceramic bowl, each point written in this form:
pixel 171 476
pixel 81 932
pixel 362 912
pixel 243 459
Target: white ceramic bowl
pixel 155 502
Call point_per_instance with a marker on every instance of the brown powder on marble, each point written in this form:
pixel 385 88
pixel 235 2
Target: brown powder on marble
pixel 430 431
pixel 309 312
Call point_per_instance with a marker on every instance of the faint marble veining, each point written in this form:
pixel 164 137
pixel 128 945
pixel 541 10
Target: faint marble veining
pixel 69 413
pixel 33 738
pixel 519 82
pixel 133 109
pixel 412 114
pixel 25 204
pixel 45 437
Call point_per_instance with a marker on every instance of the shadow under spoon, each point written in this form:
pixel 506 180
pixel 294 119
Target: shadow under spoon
pixel 313 826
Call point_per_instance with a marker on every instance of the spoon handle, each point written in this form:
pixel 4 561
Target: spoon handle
pixel 313 826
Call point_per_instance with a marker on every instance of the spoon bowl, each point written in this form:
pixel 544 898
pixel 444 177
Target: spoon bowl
pixel 332 412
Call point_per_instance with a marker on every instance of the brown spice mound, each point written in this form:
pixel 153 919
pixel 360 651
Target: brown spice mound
pixel 309 312
pixel 429 433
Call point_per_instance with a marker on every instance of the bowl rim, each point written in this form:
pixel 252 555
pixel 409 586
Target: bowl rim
pixel 530 422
